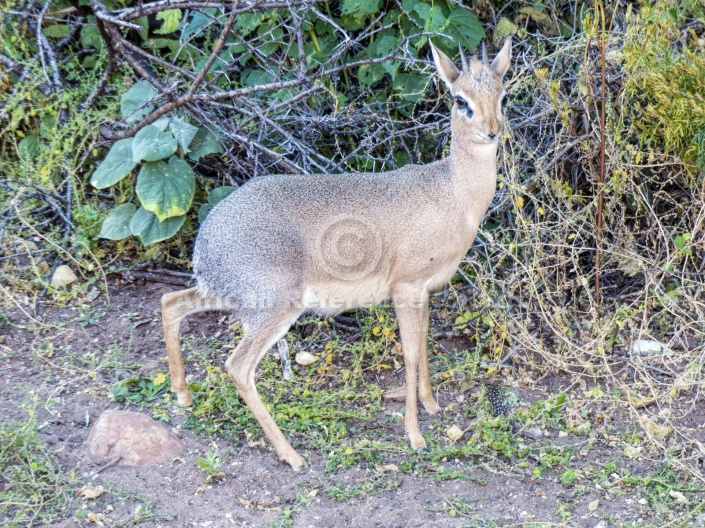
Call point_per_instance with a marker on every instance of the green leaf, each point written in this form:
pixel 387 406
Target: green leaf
pixel 467 27
pixel 410 87
pixel 383 46
pixel 116 225
pixel 143 22
pixel 90 36
pixel 27 148
pixel 352 22
pixel 198 21
pixel 217 194
pixel 248 22
pixel 203 212
pixel 505 28
pixel 132 103
pixel 147 226
pixel 47 126
pixel 183 132
pixel 433 19
pixel 360 8
pixel 116 165
pixel 166 190
pixel 256 77
pixel 272 36
pixel 162 123
pixel 203 144
pixel 56 30
pixel 171 19
pixel 214 197
pixel 368 74
pixel 433 16
pixel 151 144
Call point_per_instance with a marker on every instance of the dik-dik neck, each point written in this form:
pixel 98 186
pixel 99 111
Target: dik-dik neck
pixel 473 168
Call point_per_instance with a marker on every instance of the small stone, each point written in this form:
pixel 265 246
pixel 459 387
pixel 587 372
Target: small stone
pixel 305 358
pixel 63 276
pixel 632 452
pixel 454 433
pixel 535 433
pixel 678 496
pixel 149 369
pixel 654 428
pixel 132 438
pixel 92 295
pixel 395 395
pixel 646 347
pixel 463 300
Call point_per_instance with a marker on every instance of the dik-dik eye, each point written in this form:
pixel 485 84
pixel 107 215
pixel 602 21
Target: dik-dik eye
pixel 463 106
pixel 504 102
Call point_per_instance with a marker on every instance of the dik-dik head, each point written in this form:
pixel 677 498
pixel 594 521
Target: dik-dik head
pixel 478 95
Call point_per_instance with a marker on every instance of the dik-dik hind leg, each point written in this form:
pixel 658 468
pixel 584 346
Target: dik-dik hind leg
pixel 176 306
pixel 409 305
pixel 241 366
pixel 425 388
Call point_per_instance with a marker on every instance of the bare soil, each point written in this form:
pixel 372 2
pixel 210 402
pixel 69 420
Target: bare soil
pixel 257 489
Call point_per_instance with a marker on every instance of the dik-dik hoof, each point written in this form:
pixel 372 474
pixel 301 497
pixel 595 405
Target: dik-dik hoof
pixel 417 442
pixel 295 460
pixel 432 406
pixel 184 398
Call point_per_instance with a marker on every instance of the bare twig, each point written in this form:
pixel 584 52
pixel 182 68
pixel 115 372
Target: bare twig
pixel 216 49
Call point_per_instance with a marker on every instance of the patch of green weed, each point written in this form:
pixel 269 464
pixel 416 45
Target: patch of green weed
pixel 33 487
pixel 368 486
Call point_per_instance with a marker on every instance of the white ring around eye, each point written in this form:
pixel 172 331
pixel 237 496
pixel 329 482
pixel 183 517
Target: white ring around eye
pixel 468 102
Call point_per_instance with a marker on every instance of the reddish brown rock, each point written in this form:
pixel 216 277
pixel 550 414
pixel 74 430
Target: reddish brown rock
pixel 133 438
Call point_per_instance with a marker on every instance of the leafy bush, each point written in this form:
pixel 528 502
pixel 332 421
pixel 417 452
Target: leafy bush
pixel 265 57
pixel 665 70
pixel 165 189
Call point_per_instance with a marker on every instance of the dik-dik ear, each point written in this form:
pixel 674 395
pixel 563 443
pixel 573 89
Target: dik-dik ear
pixel 445 67
pixel 500 64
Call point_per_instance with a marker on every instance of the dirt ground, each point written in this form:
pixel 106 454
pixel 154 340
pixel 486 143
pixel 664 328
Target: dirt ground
pixel 257 490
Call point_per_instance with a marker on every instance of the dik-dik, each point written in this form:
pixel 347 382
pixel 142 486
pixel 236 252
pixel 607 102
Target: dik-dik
pixel 281 246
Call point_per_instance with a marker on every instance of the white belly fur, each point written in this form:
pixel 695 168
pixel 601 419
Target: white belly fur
pixel 339 296
pixel 443 276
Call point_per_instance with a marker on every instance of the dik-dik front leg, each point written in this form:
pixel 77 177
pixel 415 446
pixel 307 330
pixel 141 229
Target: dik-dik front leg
pixel 425 388
pixel 410 302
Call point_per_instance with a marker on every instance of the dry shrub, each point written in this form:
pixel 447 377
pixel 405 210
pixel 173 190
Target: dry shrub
pixel 536 265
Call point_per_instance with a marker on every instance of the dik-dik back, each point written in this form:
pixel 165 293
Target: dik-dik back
pixel 283 245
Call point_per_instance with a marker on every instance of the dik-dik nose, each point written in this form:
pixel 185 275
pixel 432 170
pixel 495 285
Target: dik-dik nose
pixel 492 129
